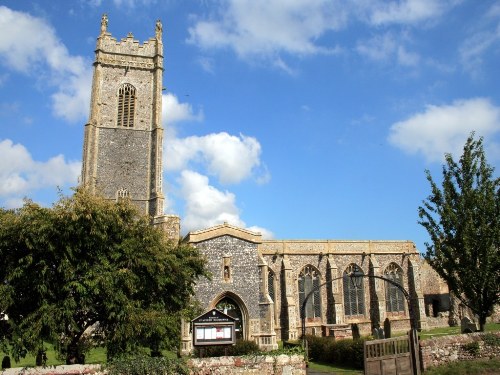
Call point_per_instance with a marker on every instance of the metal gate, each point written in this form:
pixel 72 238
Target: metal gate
pixel 391 356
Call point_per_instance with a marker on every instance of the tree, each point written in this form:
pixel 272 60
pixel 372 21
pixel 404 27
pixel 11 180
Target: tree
pixel 88 264
pixel 463 221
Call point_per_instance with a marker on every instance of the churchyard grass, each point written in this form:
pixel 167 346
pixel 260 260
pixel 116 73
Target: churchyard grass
pixel 478 367
pixel 444 331
pixel 328 368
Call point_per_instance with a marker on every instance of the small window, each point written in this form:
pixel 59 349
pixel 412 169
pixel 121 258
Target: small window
pixel 394 298
pixel 354 294
pixel 122 194
pixel 126 105
pixel 309 280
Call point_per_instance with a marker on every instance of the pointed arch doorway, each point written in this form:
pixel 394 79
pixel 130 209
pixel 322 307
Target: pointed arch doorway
pixel 233 306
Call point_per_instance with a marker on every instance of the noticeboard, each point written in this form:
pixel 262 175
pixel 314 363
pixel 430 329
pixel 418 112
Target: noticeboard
pixel 213 328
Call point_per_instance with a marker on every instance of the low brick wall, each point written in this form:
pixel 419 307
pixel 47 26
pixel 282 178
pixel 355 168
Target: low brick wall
pixel 441 350
pixel 260 364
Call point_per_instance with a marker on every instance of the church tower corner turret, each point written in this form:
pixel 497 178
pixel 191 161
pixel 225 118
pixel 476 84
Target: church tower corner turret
pixel 123 140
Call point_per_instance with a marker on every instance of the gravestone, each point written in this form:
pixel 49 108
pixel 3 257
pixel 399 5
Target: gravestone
pixel 467 325
pixel 387 328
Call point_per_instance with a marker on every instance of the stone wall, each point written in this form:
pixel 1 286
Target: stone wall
pixel 442 350
pixel 261 365
pixel 55 370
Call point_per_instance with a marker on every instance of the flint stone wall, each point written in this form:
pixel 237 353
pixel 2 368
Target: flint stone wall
pixel 261 365
pixel 55 370
pixel 441 350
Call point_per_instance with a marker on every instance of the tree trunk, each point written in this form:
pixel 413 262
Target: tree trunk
pixel 73 353
pixel 482 322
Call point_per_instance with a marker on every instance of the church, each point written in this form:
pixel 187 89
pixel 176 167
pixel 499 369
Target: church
pixel 261 283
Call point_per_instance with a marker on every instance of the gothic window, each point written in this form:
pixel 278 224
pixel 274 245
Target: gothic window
pixel 394 298
pixel 122 194
pixel 126 105
pixel 270 285
pixel 354 295
pixel 309 279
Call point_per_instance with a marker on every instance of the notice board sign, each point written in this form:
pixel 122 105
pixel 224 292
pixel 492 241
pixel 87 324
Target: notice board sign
pixel 213 328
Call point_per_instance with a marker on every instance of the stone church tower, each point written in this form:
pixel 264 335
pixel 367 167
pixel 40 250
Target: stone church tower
pixel 122 152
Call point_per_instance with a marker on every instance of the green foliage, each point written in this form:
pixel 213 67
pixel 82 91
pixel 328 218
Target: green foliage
pixel 88 263
pixel 475 367
pixel 340 352
pixel 462 218
pixel 143 365
pixel 491 340
pixel 241 347
pixel 472 348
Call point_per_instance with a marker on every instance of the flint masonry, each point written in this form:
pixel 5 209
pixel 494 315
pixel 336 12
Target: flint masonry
pixel 262 283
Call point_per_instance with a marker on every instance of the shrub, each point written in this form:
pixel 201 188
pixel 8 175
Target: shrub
pixel 491 339
pixel 340 352
pixel 142 365
pixel 242 347
pixel 471 348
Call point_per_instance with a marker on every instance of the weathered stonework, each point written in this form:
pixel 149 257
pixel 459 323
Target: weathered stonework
pixel 125 161
pixel 273 311
pixel 441 350
pixel 122 158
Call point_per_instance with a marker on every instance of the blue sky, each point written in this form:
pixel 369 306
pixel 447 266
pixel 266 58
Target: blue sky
pixel 305 119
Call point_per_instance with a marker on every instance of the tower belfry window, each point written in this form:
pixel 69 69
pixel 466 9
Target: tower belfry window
pixel 126 105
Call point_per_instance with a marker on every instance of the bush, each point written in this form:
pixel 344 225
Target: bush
pixel 472 348
pixel 143 365
pixel 491 339
pixel 242 347
pixel 345 352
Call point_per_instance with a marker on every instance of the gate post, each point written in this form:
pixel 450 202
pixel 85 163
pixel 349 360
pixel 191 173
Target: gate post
pixel 414 351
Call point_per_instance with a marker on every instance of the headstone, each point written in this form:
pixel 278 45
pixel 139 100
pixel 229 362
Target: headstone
pixel 467 325
pixel 378 333
pixel 355 331
pixel 387 328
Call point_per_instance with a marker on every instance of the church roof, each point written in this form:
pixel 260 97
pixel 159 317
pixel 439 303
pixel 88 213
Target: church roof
pixel 224 230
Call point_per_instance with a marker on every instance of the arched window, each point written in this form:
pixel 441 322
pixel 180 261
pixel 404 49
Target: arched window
pixel 394 298
pixel 270 285
pixel 354 295
pixel 126 105
pixel 309 279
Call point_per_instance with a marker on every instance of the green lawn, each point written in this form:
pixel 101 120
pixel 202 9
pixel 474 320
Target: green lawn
pixel 444 331
pixel 331 369
pixel 479 367
pixel 96 355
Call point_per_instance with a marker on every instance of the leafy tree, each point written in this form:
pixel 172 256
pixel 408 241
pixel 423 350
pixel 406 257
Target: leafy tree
pixel 88 265
pixel 463 221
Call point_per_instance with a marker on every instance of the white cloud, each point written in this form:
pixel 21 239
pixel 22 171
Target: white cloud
pixel 232 159
pixel 406 11
pixel 37 51
pixel 207 206
pixel 173 111
pixel 387 47
pixel 268 27
pixel 20 174
pixel 444 129
pixel 482 40
pixel 378 48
